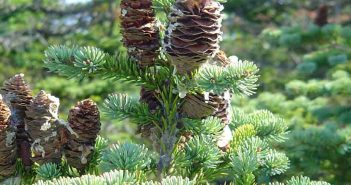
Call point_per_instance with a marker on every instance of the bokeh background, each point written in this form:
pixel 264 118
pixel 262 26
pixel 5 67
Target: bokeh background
pixel 303 49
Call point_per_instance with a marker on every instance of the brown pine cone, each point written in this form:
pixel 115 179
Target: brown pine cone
pixel 18 95
pixel 139 30
pixel 84 120
pixel 193 34
pixel 150 131
pixel 8 149
pixel 42 127
pixel 321 16
pixel 197 106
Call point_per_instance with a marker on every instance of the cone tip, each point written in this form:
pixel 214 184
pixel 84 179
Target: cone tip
pixel 43 95
pixel 18 76
pixel 86 103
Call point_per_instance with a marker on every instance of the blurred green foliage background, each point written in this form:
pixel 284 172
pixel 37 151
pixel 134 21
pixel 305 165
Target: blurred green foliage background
pixel 305 67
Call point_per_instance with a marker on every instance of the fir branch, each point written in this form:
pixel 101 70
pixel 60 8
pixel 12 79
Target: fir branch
pixel 304 180
pixel 267 126
pixel 240 78
pixel 120 106
pixel 243 164
pixel 275 163
pixel 177 181
pixel 48 171
pixel 100 145
pixel 126 156
pixel 208 126
pixel 113 177
pixel 125 69
pixel 60 59
pixel 242 133
pixel 200 157
pixel 84 62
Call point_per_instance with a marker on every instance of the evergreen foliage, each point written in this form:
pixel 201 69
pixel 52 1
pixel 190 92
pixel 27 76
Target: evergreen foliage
pixel 188 149
pixel 316 100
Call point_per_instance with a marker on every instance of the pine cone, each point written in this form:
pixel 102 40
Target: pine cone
pixel 193 34
pixel 84 120
pixel 150 98
pixel 150 131
pixel 322 16
pixel 7 142
pixel 18 95
pixel 139 30
pixel 197 106
pixel 42 127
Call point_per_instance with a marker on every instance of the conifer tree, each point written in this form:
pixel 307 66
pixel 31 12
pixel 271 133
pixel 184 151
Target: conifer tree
pixel 317 101
pixel 184 107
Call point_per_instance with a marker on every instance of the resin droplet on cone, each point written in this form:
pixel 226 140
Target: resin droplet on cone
pixel 193 34
pixel 84 120
pixel 8 151
pixel 42 127
pixel 140 31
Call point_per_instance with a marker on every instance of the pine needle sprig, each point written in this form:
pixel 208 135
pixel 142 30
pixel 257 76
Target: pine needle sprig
pixel 200 156
pixel 75 62
pixel 208 126
pixel 267 125
pixel 275 163
pixel 126 156
pixel 48 171
pixel 120 106
pixel 239 78
pixel 113 177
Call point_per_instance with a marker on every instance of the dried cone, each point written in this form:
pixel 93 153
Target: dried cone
pixel 42 127
pixel 7 142
pixel 140 31
pixel 84 120
pixel 18 95
pixel 198 106
pixel 322 16
pixel 194 33
pixel 150 131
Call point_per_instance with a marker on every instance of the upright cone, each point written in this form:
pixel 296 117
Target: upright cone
pixel 42 127
pixel 139 30
pixel 194 33
pixel 84 120
pixel 150 131
pixel 199 106
pixel 17 93
pixel 321 18
pixel 7 143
